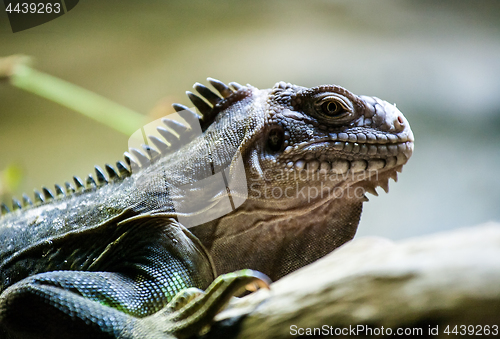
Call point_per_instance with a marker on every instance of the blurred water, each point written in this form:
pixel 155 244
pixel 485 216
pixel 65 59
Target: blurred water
pixel 439 61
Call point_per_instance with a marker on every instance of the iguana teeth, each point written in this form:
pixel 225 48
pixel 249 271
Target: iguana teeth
pixel 299 165
pixel 371 190
pixel 394 176
pixel 26 200
pixel 338 145
pixel 122 169
pixel 401 159
pixel 59 191
pixel 235 85
pixel 4 209
pixel 101 178
pixel 340 166
pixel 69 189
pixel 312 166
pixel 151 152
pixel 382 150
pixel 375 165
pixel 211 97
pixel 372 149
pixel 202 106
pixel 16 204
pixel 47 193
pixel 169 136
pixel 221 87
pixel 393 149
pixel 325 167
pixel 162 146
pixel 348 147
pixel 143 160
pixel 111 172
pixel 390 162
pixel 363 149
pixel 176 126
pixel 91 182
pixel 131 162
pixel 38 197
pixel 342 136
pixel 78 183
pixel 365 198
pixel 358 166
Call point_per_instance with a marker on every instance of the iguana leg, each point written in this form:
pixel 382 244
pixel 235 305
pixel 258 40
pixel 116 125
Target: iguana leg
pixel 67 304
pixel 51 305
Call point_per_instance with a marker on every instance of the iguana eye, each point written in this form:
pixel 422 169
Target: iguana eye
pixel 332 109
pixel 275 139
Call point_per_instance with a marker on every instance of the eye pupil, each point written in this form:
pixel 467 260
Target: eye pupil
pixel 331 108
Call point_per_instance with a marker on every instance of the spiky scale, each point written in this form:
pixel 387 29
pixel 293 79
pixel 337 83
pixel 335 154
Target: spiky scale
pixel 191 118
pixel 202 106
pixel 69 189
pixel 235 85
pixel 143 160
pixel 385 185
pixel 169 136
pixel 101 178
pixel 151 152
pixel 38 197
pixel 122 169
pixel 16 204
pixel 4 209
pixel 111 172
pixel 90 181
pixel 26 200
pixel 221 87
pixel 134 166
pixel 176 126
pixel 59 191
pixel 79 183
pixel 47 193
pixel 162 146
pixel 211 97
pixel 371 190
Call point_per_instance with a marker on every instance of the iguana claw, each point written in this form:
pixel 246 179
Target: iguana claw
pixel 192 311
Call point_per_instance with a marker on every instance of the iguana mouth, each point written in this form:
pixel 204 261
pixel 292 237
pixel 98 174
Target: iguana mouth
pixel 337 156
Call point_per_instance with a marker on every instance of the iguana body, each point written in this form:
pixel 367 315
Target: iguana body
pixel 106 260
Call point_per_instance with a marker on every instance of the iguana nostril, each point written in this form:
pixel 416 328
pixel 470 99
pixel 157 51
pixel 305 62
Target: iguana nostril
pixel 399 123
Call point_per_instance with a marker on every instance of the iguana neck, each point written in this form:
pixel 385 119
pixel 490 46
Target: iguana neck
pixel 277 244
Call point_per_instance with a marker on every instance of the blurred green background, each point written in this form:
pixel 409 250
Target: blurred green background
pixel 438 60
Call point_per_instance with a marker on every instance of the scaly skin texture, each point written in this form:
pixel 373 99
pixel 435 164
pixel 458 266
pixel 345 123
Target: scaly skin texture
pixel 106 260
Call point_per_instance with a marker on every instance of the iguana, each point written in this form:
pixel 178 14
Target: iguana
pixel 112 258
